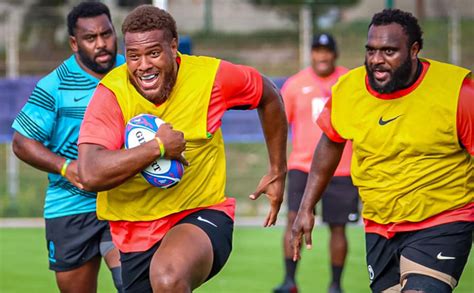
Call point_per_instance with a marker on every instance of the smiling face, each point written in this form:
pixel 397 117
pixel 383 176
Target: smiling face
pixel 151 61
pixel 323 61
pixel 390 62
pixel 94 44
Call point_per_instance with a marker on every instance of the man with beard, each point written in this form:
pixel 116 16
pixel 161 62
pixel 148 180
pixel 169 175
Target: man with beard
pixel 411 122
pixel 173 240
pixel 305 94
pixel 46 133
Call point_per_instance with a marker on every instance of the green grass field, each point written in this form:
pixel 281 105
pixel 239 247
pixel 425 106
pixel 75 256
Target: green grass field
pixel 255 264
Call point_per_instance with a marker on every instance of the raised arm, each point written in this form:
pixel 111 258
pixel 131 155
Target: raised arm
pixel 275 129
pixel 325 160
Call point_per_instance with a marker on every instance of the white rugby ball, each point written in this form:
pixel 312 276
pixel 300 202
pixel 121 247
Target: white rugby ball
pixel 161 173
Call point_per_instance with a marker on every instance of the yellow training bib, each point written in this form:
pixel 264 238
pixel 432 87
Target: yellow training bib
pixel 407 161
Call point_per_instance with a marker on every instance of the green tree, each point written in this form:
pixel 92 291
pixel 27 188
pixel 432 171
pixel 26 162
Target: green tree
pixel 292 7
pixel 40 24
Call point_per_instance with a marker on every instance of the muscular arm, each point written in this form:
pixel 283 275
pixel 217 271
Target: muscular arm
pixel 101 169
pixel 325 160
pixel 275 129
pixel 37 155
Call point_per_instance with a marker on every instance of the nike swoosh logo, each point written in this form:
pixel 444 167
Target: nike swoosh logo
pixel 440 256
pixel 206 221
pixel 80 98
pixel 383 122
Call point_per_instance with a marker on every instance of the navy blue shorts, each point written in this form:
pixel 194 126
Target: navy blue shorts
pixel 76 239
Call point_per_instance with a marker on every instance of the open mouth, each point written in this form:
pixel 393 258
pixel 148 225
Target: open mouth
pixel 381 75
pixel 148 80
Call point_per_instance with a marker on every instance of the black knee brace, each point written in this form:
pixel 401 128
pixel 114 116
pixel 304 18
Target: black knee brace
pixel 426 284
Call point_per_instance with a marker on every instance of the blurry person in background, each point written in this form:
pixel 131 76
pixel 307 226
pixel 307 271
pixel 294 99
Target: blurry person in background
pixel 305 95
pixel 411 122
pixel 46 133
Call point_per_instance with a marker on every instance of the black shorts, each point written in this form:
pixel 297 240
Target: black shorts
pixel 76 239
pixel 340 201
pixel 440 252
pixel 136 265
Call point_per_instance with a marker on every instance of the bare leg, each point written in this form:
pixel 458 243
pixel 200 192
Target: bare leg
pixel 80 280
pixel 288 250
pixel 183 261
pixel 112 259
pixel 338 245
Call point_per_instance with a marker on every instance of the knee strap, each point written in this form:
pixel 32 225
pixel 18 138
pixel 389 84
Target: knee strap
pixel 425 283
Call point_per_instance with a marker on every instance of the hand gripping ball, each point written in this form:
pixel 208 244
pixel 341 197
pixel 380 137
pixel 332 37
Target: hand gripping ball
pixel 161 173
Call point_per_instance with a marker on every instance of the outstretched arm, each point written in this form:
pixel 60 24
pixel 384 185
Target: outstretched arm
pixel 275 129
pixel 37 155
pixel 325 160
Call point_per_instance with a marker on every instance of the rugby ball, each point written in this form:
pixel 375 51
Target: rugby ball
pixel 161 173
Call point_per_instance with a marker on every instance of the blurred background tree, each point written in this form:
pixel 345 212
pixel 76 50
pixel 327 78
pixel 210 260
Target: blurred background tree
pixel 42 38
pixel 324 13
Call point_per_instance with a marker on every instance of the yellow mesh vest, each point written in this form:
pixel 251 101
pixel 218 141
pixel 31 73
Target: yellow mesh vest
pixel 407 161
pixel 203 182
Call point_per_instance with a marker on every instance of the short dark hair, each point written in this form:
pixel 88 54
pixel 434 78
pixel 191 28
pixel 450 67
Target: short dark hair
pixel 146 18
pixel 408 22
pixel 85 9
